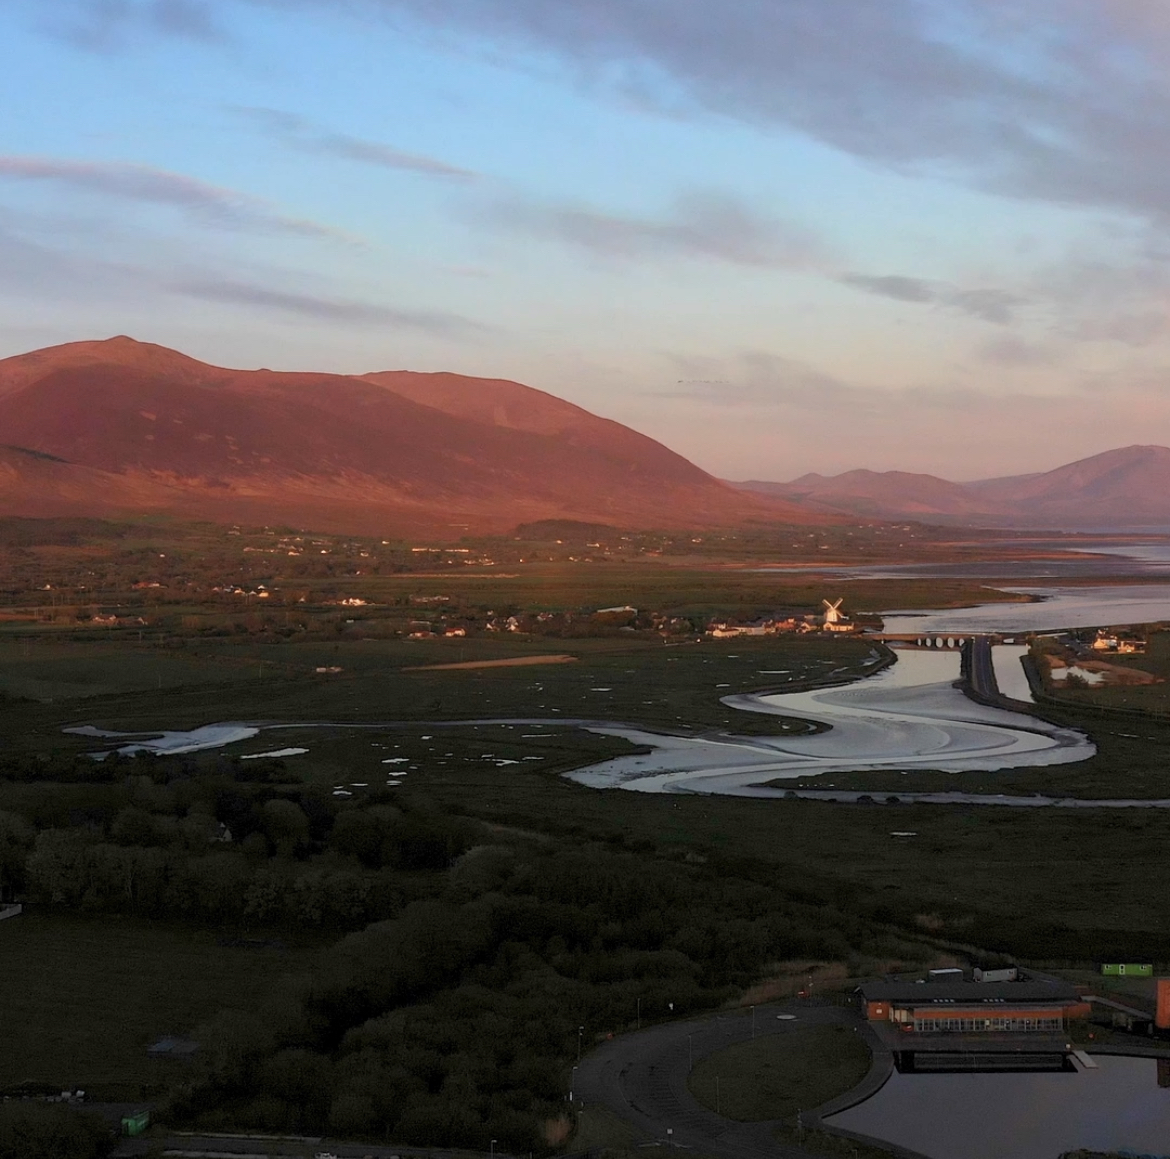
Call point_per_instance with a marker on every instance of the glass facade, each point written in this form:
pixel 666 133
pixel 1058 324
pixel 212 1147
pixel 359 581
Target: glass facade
pixel 1001 1023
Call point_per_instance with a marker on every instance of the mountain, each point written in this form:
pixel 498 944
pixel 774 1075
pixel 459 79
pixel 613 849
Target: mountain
pixel 1128 487
pixel 1123 489
pixel 118 427
pixel 879 495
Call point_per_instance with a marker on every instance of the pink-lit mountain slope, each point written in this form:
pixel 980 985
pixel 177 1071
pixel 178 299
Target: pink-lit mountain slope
pixel 118 427
pixel 1128 488
pixel 878 495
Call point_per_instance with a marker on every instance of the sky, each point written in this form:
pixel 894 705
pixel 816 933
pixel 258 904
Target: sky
pixel 780 236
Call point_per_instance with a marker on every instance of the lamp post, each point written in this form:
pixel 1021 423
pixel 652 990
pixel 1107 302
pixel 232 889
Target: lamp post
pixel 493 1150
pixel 639 1013
pixel 580 1032
pixel 572 1083
pixel 753 1022
pixel 691 1051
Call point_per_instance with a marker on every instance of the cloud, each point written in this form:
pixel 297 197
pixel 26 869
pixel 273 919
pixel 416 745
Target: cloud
pixel 104 25
pixel 1065 101
pixel 1060 100
pixel 758 379
pixel 210 204
pixel 788 417
pixel 988 305
pixel 29 269
pixel 235 293
pixel 300 134
pixel 1012 351
pixel 710 226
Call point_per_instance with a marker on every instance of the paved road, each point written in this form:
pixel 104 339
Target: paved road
pixel 280 1147
pixel 642 1078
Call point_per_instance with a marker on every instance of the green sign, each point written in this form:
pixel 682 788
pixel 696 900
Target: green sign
pixel 1128 970
pixel 135 1124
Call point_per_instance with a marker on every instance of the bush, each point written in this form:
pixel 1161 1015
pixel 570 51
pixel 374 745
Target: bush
pixel 35 1130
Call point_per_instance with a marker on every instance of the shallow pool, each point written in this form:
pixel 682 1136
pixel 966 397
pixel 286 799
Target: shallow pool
pixel 1021 1116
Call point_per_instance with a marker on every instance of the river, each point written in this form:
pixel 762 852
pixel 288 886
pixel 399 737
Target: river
pixel 908 716
pixel 1049 609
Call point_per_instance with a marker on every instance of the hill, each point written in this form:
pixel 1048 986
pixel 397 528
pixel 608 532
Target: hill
pixel 119 427
pixel 880 495
pixel 1127 488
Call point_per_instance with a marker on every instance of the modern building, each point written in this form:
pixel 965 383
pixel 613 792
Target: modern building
pixel 1020 1007
pixel 943 1022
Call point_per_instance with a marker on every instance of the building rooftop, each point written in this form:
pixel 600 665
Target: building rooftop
pixel 967 993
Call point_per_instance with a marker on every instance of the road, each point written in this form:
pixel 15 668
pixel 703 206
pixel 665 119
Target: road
pixel 222 1146
pixel 981 672
pixel 642 1078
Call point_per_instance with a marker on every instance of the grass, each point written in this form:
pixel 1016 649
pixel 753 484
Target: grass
pixel 674 589
pixel 632 680
pixel 83 998
pixel 829 1145
pixel 72 669
pixel 777 1076
pixel 968 870
pixel 991 877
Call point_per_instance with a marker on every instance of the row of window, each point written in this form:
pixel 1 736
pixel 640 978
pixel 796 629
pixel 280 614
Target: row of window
pixel 986 1024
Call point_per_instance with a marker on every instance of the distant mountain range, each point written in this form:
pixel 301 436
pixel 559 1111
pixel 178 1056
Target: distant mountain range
pixel 120 427
pixel 1125 489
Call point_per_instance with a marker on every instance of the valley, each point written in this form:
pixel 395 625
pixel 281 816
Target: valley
pixel 334 684
pixel 398 774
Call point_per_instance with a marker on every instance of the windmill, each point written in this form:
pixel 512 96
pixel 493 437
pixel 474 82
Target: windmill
pixel 833 611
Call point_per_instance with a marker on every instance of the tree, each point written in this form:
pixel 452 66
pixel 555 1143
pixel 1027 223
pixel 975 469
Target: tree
pixel 16 839
pixel 286 827
pixel 36 1130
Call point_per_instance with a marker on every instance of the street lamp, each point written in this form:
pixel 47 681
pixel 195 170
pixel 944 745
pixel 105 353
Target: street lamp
pixel 572 1082
pixel 493 1150
pixel 580 1032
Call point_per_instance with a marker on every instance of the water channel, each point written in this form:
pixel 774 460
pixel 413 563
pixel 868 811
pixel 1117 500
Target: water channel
pixel 908 716
pixel 1120 1105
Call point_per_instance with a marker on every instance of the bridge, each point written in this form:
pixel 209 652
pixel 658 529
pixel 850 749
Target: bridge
pixel 935 641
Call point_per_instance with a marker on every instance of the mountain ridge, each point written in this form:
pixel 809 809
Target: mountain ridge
pixel 122 426
pixel 1119 489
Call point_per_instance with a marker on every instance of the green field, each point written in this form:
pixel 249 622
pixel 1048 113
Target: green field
pixel 406 807
pixel 633 680
pixel 967 870
pixel 83 998
pixel 53 670
pixel 776 1076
